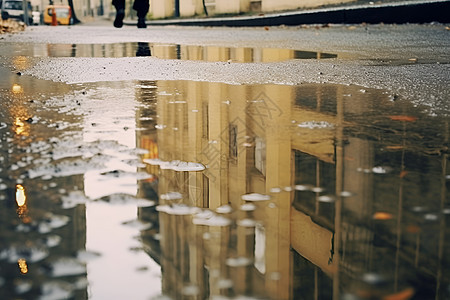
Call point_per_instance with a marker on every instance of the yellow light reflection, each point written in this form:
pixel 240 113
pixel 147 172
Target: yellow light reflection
pixel 17 88
pixel 21 62
pixel 20 126
pixel 23 266
pixel 21 198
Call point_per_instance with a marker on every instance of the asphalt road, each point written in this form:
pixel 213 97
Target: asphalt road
pixel 410 61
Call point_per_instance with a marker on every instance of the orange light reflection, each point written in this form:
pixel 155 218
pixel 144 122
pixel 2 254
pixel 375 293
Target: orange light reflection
pixel 23 266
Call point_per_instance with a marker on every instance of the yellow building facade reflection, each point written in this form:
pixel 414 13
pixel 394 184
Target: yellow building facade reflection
pixel 316 151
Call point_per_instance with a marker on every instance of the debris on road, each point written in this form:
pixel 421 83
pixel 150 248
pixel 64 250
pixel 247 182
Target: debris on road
pixel 11 26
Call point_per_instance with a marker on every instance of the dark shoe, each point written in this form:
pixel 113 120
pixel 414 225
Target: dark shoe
pixel 118 22
pixel 141 23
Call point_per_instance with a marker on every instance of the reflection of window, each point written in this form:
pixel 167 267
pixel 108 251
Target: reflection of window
pixel 233 141
pixel 260 155
pixel 13 5
pixel 205 191
pixel 312 172
pixel 62 12
pixel 205 118
pixel 260 248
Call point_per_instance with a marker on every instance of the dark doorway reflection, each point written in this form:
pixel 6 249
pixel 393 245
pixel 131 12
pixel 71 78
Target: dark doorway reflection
pixel 143 49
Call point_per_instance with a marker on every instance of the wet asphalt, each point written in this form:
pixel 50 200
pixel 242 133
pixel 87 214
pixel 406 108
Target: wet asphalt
pixel 409 61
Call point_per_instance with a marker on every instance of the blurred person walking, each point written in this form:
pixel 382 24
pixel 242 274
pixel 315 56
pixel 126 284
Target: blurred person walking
pixel 140 6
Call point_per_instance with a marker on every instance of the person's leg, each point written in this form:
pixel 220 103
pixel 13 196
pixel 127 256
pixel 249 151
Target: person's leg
pixel 120 12
pixel 141 7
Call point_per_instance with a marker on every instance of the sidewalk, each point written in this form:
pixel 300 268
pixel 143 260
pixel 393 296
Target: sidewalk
pixel 421 11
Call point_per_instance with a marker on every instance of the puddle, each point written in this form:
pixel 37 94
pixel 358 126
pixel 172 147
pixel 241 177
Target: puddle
pixel 171 51
pixel 172 189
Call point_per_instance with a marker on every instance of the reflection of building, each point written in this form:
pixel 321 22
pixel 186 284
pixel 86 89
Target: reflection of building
pixel 35 230
pixel 337 213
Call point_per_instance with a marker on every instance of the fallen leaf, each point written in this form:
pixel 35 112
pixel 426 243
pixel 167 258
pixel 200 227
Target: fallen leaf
pixel 402 295
pixel 403 173
pixel 394 147
pixel 382 216
pixel 413 229
pixel 403 118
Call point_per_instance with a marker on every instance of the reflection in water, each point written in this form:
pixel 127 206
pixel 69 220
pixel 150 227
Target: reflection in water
pixel 20 195
pixel 341 173
pixel 143 49
pixel 265 191
pixel 183 52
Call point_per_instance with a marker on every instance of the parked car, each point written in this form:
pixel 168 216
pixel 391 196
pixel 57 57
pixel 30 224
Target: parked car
pixel 14 9
pixel 63 14
pixel 36 18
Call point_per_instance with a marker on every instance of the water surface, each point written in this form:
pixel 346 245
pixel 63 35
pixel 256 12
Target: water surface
pixel 196 190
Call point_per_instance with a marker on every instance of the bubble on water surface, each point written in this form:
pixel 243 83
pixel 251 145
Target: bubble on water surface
pixel 224 209
pixel 124 174
pixel 190 290
pixel 318 189
pixel 327 198
pixel 373 278
pixel 30 253
pixel 138 224
pixel 178 209
pixel 315 125
pixel 68 168
pixel 21 286
pixel 51 221
pixel 381 170
pixel 303 187
pixel 345 194
pixel 255 197
pixel 248 207
pixel 65 266
pixel 86 256
pixel 51 241
pixel 275 190
pixel 238 262
pixel 74 199
pixel 125 199
pixel 418 209
pixel 246 223
pixel 213 220
pixel 224 283
pixel 55 290
pixel 431 217
pixel 134 163
pixel 176 165
pixel 3 125
pixel 171 196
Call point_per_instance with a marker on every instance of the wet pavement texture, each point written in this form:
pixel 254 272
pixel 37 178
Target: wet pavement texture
pixel 181 189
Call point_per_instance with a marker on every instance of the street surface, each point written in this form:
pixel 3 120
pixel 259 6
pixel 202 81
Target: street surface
pixel 306 162
pixel 411 61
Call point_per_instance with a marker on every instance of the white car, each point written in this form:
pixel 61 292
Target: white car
pixel 14 9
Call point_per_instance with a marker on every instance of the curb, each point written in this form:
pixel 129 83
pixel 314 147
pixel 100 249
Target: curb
pixel 398 13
